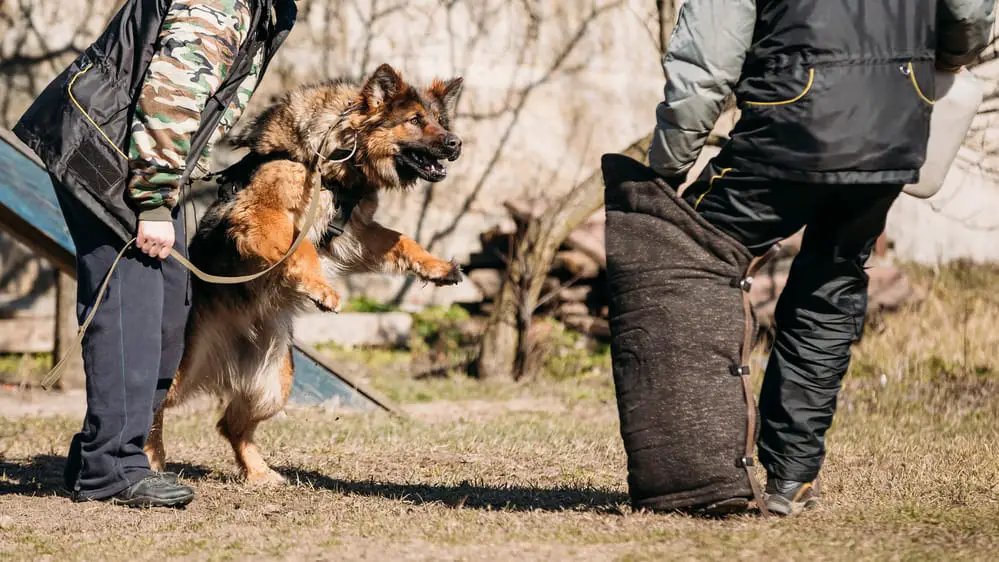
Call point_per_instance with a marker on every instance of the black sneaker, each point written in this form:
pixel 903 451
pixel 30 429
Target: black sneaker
pixel 170 477
pixel 152 491
pixel 787 497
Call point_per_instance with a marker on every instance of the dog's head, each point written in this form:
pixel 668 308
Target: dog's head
pixel 404 133
pixel 399 133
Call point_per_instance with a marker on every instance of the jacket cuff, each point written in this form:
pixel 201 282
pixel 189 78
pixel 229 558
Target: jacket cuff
pixel 159 214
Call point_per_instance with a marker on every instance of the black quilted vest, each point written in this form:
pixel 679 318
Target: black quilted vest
pixel 836 91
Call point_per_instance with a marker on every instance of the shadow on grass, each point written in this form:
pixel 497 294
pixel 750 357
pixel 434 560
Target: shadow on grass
pixel 510 498
pixel 42 476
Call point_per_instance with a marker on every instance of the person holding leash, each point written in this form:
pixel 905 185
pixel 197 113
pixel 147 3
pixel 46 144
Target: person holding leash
pixel 835 99
pixel 122 130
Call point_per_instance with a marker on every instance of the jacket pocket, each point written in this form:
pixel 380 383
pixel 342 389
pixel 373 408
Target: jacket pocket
pixel 778 88
pixel 101 126
pixel 834 117
pixel 102 103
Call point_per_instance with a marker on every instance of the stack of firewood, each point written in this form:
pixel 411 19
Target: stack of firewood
pixel 574 290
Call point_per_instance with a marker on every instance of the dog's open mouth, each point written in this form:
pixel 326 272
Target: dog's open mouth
pixel 423 164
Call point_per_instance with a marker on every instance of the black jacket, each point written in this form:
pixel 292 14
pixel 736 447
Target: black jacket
pixel 831 91
pixel 75 150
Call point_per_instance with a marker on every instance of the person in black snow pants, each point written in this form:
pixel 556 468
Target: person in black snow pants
pixel 835 99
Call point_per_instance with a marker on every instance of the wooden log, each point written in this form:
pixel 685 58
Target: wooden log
pixel 523 210
pixel 588 238
pixel 66 329
pixel 590 243
pixel 488 281
pixel 766 288
pixel 577 264
pixel 26 334
pixel 571 309
pixel 486 259
pixel 549 285
pixel 791 246
pixel 881 278
pixel 589 325
pixel 496 238
pixel 889 288
pixel 575 293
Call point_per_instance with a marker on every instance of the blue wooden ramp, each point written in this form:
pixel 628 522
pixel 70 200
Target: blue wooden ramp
pixel 29 212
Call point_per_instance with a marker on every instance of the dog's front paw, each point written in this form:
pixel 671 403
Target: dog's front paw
pixel 265 479
pixel 326 299
pixel 450 275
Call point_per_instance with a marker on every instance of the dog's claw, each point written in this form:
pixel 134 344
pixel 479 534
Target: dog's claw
pixel 329 301
pixel 452 277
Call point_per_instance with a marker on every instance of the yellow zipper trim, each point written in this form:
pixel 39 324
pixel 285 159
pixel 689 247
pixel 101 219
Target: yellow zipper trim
pixel 808 87
pixel 915 84
pixel 87 115
pixel 711 184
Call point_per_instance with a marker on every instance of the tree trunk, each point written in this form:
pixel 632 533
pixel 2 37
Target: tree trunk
pixel 532 257
pixel 666 9
pixel 66 330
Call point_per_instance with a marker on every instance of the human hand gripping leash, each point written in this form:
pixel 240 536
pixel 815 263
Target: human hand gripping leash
pixel 313 176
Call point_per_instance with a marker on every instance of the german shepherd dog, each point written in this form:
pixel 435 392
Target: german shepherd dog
pixel 239 337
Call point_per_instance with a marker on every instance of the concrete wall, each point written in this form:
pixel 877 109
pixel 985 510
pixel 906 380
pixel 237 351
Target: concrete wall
pixel 550 87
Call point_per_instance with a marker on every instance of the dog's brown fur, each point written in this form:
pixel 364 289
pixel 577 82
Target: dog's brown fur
pixel 239 336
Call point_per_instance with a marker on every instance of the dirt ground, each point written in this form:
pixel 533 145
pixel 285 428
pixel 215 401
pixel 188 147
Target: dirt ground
pixel 536 471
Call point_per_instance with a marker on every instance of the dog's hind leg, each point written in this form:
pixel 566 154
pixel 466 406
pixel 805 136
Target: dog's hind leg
pixel 153 448
pixel 185 383
pixel 154 443
pixel 245 412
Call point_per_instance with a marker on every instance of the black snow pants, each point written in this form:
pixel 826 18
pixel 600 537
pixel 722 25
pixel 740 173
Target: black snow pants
pixel 820 312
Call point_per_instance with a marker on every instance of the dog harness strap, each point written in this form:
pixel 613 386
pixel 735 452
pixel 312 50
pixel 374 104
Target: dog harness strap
pixel 344 205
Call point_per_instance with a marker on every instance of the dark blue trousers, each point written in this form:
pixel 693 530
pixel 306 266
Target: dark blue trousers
pixel 130 352
pixel 820 312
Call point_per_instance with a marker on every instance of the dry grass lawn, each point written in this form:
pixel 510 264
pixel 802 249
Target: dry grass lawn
pixel 536 471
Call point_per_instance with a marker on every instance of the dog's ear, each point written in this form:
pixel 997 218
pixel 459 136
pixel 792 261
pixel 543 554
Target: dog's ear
pixel 447 92
pixel 384 84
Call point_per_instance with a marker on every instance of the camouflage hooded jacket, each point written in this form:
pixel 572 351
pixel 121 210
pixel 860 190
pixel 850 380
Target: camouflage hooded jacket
pixel 128 121
pixel 199 40
pixel 831 91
